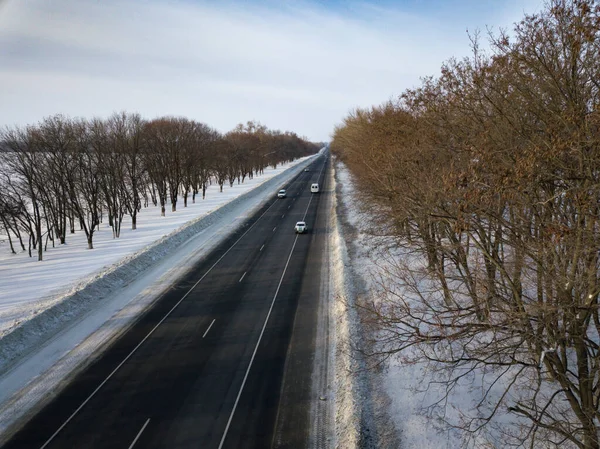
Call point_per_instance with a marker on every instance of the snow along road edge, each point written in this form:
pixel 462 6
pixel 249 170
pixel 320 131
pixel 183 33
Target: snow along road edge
pixel 347 406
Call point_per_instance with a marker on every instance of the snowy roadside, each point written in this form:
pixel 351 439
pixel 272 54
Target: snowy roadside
pixel 347 407
pixel 362 418
pixel 378 407
pixel 374 407
pixel 43 353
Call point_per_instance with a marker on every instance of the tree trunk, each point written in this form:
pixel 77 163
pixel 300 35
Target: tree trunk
pixel 18 233
pixel 62 236
pixel 185 197
pixel 12 249
pixel 38 232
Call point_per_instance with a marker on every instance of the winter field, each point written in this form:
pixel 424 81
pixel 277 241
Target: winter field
pixel 57 313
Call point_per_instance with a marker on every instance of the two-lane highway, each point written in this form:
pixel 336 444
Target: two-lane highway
pixel 204 367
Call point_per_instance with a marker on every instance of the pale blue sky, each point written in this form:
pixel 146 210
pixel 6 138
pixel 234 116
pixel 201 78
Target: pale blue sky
pixel 292 65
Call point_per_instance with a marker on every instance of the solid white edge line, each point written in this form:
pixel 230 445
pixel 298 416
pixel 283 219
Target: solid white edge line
pixel 256 347
pixel 139 433
pixel 150 333
pixel 242 276
pixel 261 248
pixel 274 228
pixel 206 332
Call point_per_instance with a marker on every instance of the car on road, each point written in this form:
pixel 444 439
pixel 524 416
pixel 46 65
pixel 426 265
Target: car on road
pixel 300 227
pixel 281 193
pixel 306 169
pixel 314 188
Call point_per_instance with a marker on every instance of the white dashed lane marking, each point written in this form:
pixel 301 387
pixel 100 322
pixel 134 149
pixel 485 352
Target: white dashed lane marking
pixel 206 332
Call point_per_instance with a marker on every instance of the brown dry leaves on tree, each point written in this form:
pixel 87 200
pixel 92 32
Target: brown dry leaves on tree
pixel 490 174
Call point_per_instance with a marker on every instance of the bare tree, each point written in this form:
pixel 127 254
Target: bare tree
pixel 197 166
pixel 23 162
pixel 156 163
pixel 220 161
pixel 85 186
pixel 131 135
pixel 63 171
pixel 53 141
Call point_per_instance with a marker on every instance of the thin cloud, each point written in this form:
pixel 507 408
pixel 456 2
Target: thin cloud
pixel 297 67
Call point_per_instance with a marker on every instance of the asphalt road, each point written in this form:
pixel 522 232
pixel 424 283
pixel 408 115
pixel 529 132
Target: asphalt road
pixel 221 361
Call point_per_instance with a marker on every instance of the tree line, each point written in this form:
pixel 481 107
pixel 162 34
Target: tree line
pixel 64 173
pixel 487 178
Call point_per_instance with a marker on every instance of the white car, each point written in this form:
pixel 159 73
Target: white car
pixel 281 194
pixel 300 227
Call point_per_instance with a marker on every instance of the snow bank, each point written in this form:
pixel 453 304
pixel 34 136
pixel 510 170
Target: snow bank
pixel 85 294
pixel 347 406
pixel 363 416
pixel 362 419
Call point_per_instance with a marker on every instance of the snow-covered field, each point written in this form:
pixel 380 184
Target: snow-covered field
pixel 54 314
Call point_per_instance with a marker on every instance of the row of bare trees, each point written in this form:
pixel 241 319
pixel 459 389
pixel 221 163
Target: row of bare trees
pixel 64 173
pixel 490 175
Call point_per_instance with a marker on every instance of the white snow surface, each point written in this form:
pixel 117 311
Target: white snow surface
pixel 56 313
pixel 346 385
